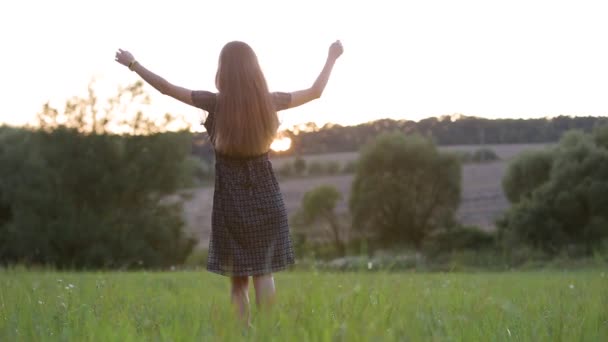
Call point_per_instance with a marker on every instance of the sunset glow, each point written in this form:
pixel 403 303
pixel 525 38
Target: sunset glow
pixel 281 144
pixel 411 60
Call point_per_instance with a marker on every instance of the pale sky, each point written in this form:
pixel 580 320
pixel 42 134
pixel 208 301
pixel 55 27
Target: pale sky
pixel 402 59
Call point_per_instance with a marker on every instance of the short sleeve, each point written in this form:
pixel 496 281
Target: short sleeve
pixel 204 100
pixel 281 100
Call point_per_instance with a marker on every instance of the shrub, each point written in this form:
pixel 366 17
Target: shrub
pixel 320 204
pixel 332 167
pixel 459 238
pixel 349 167
pixel 299 166
pixel 404 188
pixel 315 168
pixel 484 155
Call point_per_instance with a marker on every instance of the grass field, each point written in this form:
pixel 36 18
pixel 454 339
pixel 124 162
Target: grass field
pixel 365 306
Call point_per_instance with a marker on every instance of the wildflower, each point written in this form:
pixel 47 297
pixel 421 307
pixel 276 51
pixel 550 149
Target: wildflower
pixel 509 332
pixel 71 286
pixel 571 286
pixel 40 302
pixel 369 265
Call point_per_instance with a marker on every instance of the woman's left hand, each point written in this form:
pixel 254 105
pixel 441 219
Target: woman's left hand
pixel 124 57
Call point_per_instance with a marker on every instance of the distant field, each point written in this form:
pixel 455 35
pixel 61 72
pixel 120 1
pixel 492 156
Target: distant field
pixel 505 152
pixel 482 196
pixel 364 306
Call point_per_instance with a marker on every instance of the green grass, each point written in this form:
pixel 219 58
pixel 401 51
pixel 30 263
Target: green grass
pixel 366 306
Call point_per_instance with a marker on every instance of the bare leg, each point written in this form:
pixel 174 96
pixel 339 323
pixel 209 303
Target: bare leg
pixel 240 297
pixel 264 291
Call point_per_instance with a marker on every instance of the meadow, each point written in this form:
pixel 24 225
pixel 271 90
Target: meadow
pixel 368 305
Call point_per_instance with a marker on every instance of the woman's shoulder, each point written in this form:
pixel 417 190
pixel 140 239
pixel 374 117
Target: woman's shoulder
pixel 204 100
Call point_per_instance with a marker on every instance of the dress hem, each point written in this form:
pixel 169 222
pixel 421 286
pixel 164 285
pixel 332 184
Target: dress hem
pixel 252 273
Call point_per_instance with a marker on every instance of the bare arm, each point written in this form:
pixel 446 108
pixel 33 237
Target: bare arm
pixel 165 87
pixel 301 97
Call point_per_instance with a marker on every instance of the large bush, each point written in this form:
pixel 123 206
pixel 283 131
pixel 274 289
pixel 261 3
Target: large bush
pixel 567 207
pixel 404 188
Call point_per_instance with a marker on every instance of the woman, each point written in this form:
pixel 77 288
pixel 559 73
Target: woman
pixel 250 234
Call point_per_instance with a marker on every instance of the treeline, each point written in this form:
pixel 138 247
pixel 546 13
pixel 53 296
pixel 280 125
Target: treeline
pixel 443 131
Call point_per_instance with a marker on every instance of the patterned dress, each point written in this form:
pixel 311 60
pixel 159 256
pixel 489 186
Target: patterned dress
pixel 250 232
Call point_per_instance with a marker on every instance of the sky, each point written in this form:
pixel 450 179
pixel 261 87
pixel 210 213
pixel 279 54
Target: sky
pixel 402 59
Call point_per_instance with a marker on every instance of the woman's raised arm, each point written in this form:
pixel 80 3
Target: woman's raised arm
pixel 301 97
pixel 165 87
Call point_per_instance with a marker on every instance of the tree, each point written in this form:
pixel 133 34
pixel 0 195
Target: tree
pixel 299 166
pixel 525 173
pixel 122 113
pixel 404 188
pixel 73 195
pixel 320 204
pixel 570 207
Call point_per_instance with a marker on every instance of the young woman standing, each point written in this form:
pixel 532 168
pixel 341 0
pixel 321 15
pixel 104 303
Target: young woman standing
pixel 250 233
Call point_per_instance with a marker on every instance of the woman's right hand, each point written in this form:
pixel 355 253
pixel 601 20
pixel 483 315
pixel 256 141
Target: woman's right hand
pixel 335 50
pixel 124 57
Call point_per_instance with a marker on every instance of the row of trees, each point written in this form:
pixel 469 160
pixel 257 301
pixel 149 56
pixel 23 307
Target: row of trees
pixel 445 130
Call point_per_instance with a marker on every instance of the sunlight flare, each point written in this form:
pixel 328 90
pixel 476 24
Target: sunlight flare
pixel 281 144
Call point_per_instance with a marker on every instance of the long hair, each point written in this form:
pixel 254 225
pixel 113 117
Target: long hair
pixel 246 121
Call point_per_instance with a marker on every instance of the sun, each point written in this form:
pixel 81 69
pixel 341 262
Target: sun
pixel 281 144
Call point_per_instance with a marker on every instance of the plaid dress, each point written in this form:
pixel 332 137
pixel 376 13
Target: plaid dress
pixel 250 232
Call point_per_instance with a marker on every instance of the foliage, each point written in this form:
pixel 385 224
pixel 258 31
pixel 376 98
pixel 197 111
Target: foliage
pixel 349 167
pixel 483 155
pixel 445 130
pixel 299 166
pixel 404 189
pixel 93 200
pixel 90 115
pixel 320 204
pixel 315 168
pixel 525 173
pixel 480 155
pixel 73 195
pixel 569 209
pixel 332 167
pixel 459 238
